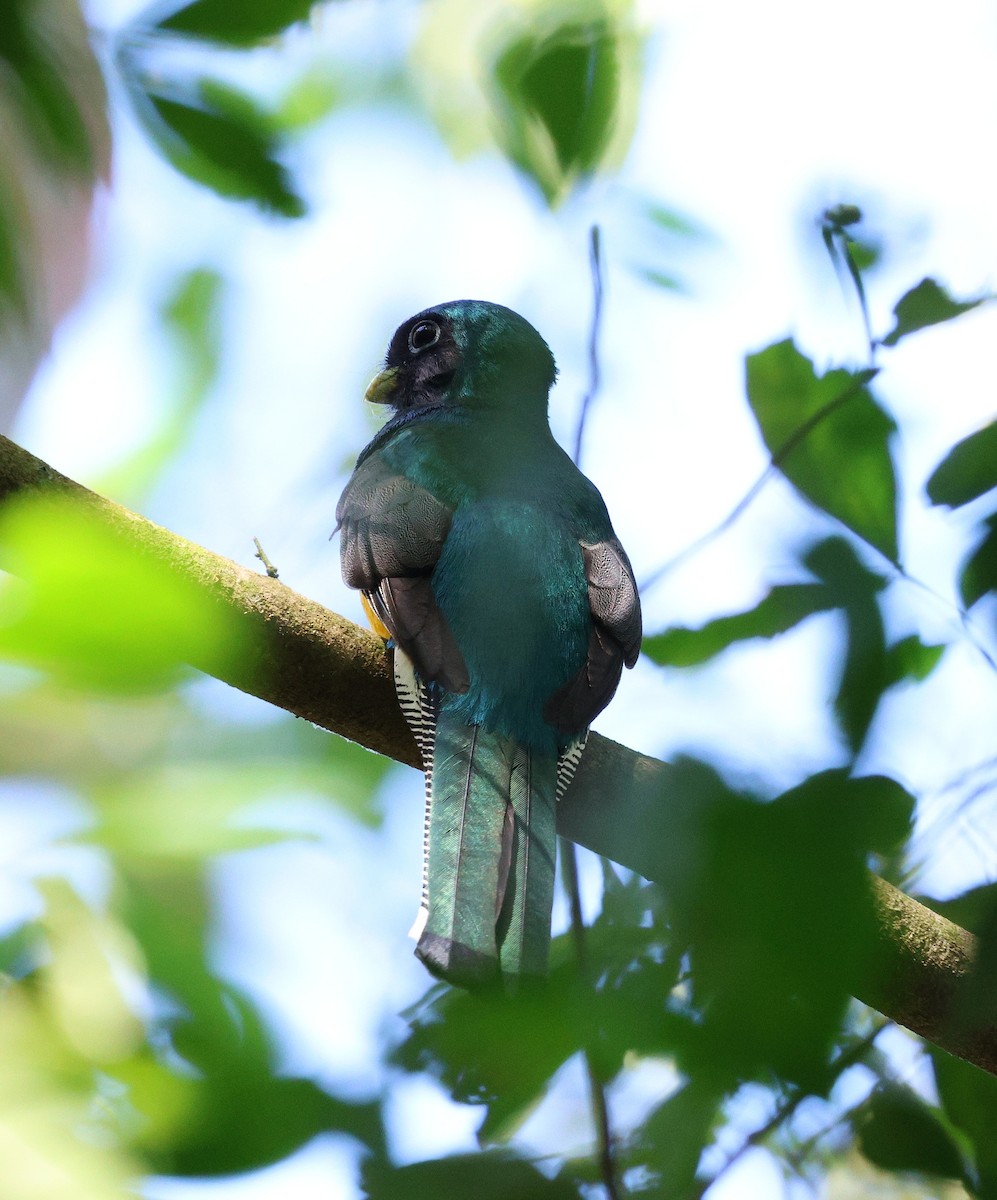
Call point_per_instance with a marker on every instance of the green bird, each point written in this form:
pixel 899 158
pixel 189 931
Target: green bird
pixel 491 563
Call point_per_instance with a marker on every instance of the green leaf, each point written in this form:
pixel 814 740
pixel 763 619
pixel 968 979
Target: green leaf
pixel 911 660
pixel 864 675
pixel 865 255
pixel 491 1176
pixel 191 318
pixel 661 279
pixel 49 110
pixel 219 137
pixel 13 280
pixel 898 1131
pixel 670 221
pixel 829 438
pixel 96 613
pixel 558 95
pixel 246 23
pixel 309 99
pixel 784 606
pixel 969 1099
pixel 979 572
pixel 675 1135
pixel 770 958
pixel 926 304
pixel 967 471
pixel 499 1050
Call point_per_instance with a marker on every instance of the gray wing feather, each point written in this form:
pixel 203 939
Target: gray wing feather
pixel 614 639
pixel 390 526
pixel 392 532
pixel 613 594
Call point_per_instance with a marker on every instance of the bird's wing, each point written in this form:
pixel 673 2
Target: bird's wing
pixel 614 638
pixel 392 532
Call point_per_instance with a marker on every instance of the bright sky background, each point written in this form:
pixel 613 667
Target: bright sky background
pixel 753 119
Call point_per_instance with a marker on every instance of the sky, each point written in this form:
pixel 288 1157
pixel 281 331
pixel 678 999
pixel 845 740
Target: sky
pixel 752 120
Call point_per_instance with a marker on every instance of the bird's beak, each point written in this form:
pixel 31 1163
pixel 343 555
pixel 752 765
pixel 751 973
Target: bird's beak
pixel 381 389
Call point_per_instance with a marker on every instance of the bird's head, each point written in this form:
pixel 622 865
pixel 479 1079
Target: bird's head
pixel 466 352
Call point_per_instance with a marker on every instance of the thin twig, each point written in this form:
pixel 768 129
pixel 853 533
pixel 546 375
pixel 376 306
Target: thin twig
pixel 569 860
pixel 261 554
pixel 839 242
pixel 785 1110
pixel 600 1108
pixel 595 375
pixel 780 456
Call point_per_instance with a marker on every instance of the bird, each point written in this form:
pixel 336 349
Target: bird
pixel 488 562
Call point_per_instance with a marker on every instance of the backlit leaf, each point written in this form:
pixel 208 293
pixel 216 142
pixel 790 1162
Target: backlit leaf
pixel 910 660
pixel 561 95
pixel 979 572
pixel 243 24
pixel 864 675
pixel 898 1131
pixel 967 471
pixel 927 304
pixel 219 137
pixel 784 606
pixel 96 613
pixel 829 438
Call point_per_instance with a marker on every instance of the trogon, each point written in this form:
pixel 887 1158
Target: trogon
pixel 490 562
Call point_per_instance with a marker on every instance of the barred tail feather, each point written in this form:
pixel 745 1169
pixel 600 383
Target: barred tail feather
pixel 490 861
pixel 469 795
pixel 524 926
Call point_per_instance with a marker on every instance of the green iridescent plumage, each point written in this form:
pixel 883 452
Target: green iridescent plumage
pixel 492 562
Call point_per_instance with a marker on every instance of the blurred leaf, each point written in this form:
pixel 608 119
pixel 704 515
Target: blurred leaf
pixel 310 99
pixel 13 281
pixel 975 910
pixel 972 910
pixel 978 575
pixel 829 438
pixel 246 23
pixel 772 959
pixel 190 317
pixel 910 660
pixel 926 304
pixel 189 812
pixel 238 1113
pixel 673 1139
pixel 19 950
pixel 242 1123
pixel 969 1100
pixel 865 673
pixel 898 1131
pixel 865 254
pixel 967 471
pixel 82 981
pixel 49 110
pixel 495 1175
pixel 56 1143
pixel 670 283
pixel 499 1050
pixel 219 137
pixel 91 609
pixel 562 96
pixel 784 606
pixel 669 220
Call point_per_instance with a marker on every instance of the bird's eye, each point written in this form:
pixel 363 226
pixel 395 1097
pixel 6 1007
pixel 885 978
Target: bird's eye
pixel 423 335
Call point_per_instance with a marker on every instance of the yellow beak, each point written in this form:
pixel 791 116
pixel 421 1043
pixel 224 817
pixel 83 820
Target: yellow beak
pixel 382 387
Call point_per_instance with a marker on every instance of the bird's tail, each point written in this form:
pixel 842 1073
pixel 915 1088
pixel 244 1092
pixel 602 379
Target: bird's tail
pixel 491 847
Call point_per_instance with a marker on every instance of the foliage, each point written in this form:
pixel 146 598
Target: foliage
pixel 127 1051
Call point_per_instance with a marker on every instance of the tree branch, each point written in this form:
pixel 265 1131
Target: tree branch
pixel 623 805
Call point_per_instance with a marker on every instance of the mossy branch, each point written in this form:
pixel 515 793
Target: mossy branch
pixel 321 667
